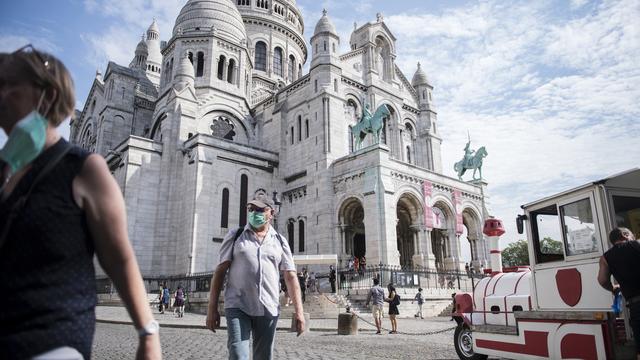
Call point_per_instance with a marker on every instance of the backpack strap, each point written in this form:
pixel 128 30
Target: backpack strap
pixel 241 230
pixel 19 205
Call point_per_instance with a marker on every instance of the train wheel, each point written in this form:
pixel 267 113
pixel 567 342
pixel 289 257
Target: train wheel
pixel 464 344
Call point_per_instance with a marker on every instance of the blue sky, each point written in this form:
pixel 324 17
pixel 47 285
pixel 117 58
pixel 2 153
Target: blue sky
pixel 551 88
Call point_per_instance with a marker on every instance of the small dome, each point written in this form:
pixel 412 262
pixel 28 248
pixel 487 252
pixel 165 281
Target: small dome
pixel 154 27
pixel 142 47
pixel 204 15
pixel 324 25
pixel 419 78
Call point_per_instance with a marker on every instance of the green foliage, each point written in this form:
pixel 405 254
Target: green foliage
pixel 550 246
pixel 516 254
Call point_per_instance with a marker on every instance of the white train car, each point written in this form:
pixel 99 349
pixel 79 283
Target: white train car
pixel 554 309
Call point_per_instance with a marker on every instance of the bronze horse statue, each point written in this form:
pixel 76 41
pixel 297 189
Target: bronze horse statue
pixel 369 124
pixel 474 162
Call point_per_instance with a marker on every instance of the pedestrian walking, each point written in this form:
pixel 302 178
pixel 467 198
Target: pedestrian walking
pixel 283 288
pixel 160 302
pixel 253 257
pixel 166 297
pixel 420 300
pixel 313 283
pixel 59 206
pixel 394 301
pixel 356 265
pixel 376 298
pixel 622 261
pixel 178 304
pixel 363 264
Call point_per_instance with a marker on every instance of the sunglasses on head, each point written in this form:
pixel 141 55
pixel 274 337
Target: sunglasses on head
pixel 252 208
pixel 29 49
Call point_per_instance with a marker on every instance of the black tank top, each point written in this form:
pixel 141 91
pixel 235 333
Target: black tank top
pixel 46 264
pixel 624 263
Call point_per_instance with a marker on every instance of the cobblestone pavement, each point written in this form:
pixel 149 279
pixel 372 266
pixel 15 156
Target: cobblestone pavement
pixel 119 341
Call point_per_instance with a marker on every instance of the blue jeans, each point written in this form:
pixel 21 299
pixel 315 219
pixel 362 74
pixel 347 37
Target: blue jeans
pixel 241 326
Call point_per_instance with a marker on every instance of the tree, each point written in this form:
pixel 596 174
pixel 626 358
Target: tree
pixel 516 254
pixel 550 246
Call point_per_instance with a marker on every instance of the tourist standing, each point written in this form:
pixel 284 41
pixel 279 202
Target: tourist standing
pixel 376 298
pixel 303 286
pixel 622 261
pixel 394 301
pixel 332 279
pixel 254 256
pixel 59 206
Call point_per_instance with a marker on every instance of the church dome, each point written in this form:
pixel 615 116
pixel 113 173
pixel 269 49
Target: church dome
pixel 419 78
pixel 324 25
pixel 203 15
pixel 142 47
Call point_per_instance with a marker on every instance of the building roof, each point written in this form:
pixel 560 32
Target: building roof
pixel 219 16
pixel 325 25
pixel 420 77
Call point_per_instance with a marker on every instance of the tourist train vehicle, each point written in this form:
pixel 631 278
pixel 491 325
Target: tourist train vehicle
pixel 554 309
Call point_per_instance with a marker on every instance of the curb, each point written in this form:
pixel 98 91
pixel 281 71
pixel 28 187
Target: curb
pixel 202 327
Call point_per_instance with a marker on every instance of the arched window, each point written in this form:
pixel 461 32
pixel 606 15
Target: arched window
pixel 244 186
pixel 221 64
pixel 333 45
pixel 409 154
pixel 290 234
pixel 291 67
pixel 325 46
pixel 383 133
pixel 299 128
pixel 306 128
pixel 261 56
pixel 200 64
pixel 231 71
pixel 191 57
pixel 299 71
pixel 335 85
pixel 224 218
pixel 277 61
pixel 300 235
pixel 292 135
pixel 315 85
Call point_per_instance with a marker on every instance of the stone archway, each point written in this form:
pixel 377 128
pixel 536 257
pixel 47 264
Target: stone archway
pixel 441 238
pixel 473 226
pixel 408 210
pixel 351 217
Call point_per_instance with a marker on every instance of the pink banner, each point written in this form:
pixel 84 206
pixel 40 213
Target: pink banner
pixel 457 203
pixel 428 213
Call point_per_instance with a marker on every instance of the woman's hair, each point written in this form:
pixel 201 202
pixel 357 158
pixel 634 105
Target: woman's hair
pixel 44 71
pixel 620 233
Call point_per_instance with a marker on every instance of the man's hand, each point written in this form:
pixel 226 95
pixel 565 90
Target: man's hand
pixel 616 288
pixel 213 319
pixel 300 323
pixel 149 348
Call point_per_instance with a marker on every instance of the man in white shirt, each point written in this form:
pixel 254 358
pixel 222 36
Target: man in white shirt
pixel 254 257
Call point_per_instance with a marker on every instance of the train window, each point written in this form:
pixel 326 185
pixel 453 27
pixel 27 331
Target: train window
pixel 495 309
pixel 546 234
pixel 516 308
pixel 579 228
pixel 627 213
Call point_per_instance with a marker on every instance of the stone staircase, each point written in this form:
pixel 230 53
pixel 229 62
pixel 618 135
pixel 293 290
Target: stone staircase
pixel 319 306
pixel 446 312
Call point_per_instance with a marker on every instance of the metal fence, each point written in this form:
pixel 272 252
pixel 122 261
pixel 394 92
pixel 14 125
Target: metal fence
pixel 199 282
pixel 407 278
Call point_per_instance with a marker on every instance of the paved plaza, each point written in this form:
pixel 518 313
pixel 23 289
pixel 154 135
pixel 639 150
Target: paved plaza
pixel 186 338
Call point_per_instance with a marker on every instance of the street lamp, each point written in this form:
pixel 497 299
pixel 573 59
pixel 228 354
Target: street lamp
pixel 277 203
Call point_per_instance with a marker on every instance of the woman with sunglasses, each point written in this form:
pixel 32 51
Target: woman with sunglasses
pixel 58 206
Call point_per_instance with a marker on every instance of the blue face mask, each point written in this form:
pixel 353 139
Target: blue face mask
pixel 26 140
pixel 257 219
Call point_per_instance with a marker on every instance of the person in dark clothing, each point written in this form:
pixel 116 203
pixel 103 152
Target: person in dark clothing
pixel 622 261
pixel 332 278
pixel 303 286
pixel 59 205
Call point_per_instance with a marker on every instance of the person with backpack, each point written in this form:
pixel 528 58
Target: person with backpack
pixel 394 301
pixel 178 303
pixel 420 299
pixel 376 297
pixel 252 258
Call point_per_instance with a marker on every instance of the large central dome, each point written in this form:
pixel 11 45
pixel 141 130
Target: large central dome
pixel 199 16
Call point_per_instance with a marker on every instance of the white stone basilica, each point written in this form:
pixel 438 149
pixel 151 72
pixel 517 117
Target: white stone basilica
pixel 198 124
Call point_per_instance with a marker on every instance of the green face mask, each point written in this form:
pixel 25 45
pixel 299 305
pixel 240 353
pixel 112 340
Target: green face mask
pixel 26 141
pixel 257 219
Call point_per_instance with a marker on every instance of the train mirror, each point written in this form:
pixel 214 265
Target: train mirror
pixel 520 223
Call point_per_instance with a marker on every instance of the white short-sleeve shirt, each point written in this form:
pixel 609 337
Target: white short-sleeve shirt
pixel 253 280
